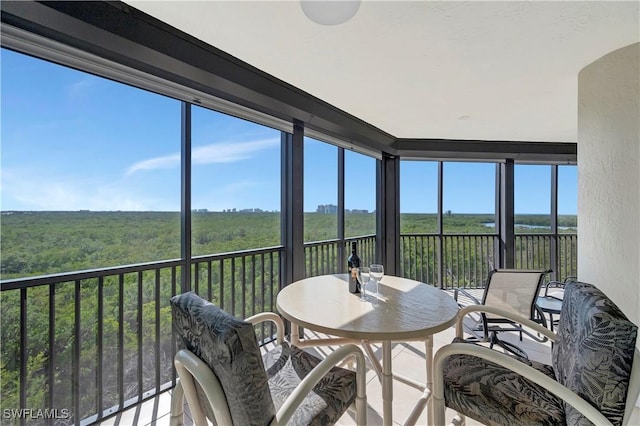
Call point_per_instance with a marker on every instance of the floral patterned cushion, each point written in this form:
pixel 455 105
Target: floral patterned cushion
pixel 494 395
pixel 229 347
pixel 594 351
pixel 288 365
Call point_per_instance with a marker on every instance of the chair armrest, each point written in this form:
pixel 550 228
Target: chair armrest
pixel 564 393
pixel 553 284
pixel 505 314
pixel 306 385
pixel 272 317
pixel 188 366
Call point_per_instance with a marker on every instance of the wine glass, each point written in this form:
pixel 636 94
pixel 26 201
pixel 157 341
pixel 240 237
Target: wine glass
pixel 377 272
pixel 363 278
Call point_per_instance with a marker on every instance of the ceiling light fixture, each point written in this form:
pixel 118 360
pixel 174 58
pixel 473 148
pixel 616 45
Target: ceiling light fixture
pixel 330 12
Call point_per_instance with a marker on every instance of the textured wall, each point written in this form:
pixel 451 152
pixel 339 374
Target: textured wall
pixel 609 177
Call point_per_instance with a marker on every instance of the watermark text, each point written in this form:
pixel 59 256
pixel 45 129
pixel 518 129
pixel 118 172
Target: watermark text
pixel 36 413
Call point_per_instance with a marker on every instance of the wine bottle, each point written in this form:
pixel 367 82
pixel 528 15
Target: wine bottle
pixel 353 262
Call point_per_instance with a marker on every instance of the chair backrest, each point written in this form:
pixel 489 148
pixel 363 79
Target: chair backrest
pixel 515 290
pixel 230 349
pixel 594 353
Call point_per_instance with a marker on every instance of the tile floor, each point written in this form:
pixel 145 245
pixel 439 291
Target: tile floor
pixel 408 360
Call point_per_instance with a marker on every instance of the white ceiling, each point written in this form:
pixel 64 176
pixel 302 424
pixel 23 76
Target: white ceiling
pixel 503 70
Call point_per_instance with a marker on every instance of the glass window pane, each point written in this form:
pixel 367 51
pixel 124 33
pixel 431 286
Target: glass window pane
pixel 567 222
pixel 90 171
pixel 418 197
pixel 359 194
pixel 469 198
pixel 320 190
pixel 567 197
pixel 532 198
pixel 235 190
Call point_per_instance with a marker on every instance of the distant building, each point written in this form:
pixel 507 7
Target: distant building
pixel 327 208
pixel 333 209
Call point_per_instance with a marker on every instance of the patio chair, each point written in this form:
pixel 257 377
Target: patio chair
pixel 514 290
pixel 555 289
pixel 594 376
pixel 223 377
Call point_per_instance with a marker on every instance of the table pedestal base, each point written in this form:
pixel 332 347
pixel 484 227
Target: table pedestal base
pixel 384 372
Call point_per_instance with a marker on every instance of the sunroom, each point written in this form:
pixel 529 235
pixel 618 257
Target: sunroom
pixel 232 148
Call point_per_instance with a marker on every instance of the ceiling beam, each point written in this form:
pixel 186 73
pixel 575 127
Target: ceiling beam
pixel 480 150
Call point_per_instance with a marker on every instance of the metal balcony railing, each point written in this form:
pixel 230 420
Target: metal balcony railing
pixel 464 260
pixel 448 261
pixel 533 251
pixel 330 257
pixel 89 344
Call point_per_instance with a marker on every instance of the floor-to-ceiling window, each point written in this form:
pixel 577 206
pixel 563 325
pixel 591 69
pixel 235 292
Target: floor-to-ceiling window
pixel 235 184
pixel 463 249
pixel 532 209
pixel 90 179
pixel 235 206
pixel 419 225
pixel 320 190
pixel 468 213
pixel 360 202
pixel 90 171
pixel 567 222
pixel 546 231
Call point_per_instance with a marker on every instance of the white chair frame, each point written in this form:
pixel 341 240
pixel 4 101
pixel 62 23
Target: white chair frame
pixel 530 373
pixel 189 368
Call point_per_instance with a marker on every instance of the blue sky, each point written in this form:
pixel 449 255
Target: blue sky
pixel 74 141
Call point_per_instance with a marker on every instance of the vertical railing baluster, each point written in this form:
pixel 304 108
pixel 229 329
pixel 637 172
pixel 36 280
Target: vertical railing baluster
pixel 121 373
pixel 233 286
pixel 466 260
pixel 51 361
pixel 100 348
pixel 23 351
pixel 139 332
pixel 431 248
pixel 317 267
pixel 243 286
pixel 196 277
pixel 477 243
pixel 253 284
pixel 423 262
pixel 75 377
pixel 221 267
pixel 173 337
pixel 262 291
pixel 458 269
pixel 209 281
pixel 157 313
pixel 271 274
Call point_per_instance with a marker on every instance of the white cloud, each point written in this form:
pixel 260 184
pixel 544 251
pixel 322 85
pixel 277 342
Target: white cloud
pixel 225 152
pixel 166 162
pixel 229 152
